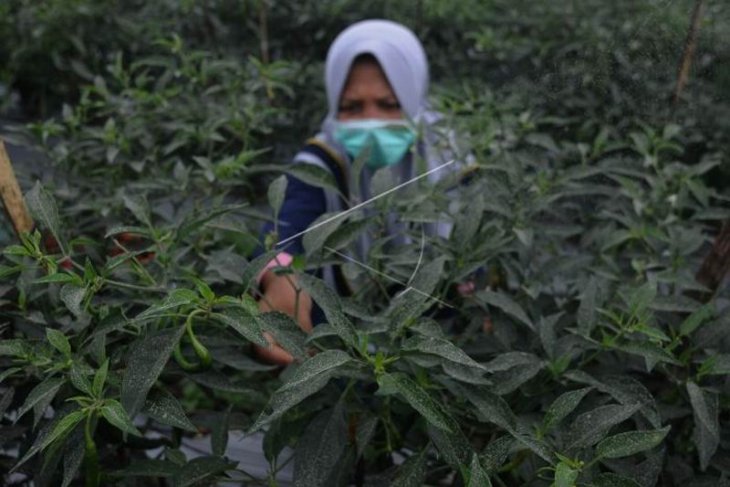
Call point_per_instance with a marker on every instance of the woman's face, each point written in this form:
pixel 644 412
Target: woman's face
pixel 367 94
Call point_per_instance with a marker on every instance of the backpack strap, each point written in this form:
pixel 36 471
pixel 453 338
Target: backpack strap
pixel 337 167
pixel 335 164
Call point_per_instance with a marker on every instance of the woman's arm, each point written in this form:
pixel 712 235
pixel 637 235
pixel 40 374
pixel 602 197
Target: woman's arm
pixel 303 203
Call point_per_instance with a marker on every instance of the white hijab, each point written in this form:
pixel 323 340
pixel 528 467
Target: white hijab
pixel 399 53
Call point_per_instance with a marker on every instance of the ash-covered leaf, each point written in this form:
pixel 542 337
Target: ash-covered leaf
pixel 587 314
pixel 590 427
pixel 72 296
pixel 72 458
pixel 630 443
pixel 176 298
pixel 286 333
pixel 330 303
pixel 506 304
pixel 202 469
pixel 614 480
pixel 320 448
pixel 442 348
pixel 117 416
pixel 705 408
pixel 306 380
pixel 478 477
pixel 565 476
pixel 418 399
pixel 59 341
pixel 276 193
pixel 146 359
pixel 40 397
pixel 245 324
pixel 562 407
pixel 413 472
pixel 43 207
pixel 165 408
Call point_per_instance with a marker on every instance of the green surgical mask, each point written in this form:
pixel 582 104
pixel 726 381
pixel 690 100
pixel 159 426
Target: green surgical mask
pixel 387 140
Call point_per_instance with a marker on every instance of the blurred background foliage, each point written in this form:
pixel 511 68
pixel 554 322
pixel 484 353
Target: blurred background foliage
pixel 591 63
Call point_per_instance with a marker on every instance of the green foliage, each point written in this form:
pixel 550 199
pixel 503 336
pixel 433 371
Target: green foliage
pixel 582 358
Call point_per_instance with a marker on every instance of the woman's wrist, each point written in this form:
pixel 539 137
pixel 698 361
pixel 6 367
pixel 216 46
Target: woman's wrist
pixel 282 259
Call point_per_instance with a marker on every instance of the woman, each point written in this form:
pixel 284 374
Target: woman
pixel 376 77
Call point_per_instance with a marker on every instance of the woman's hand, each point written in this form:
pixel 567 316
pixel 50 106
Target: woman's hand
pixel 280 295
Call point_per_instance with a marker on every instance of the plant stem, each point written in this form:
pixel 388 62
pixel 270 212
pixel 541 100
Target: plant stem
pixel 91 455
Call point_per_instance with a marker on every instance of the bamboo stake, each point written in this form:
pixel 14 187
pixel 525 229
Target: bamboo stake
pixel 690 44
pixel 12 197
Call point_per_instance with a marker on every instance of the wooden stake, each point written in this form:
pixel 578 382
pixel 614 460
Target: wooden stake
pixel 11 195
pixel 689 50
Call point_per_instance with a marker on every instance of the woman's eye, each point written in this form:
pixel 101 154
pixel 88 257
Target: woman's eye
pixel 390 105
pixel 349 108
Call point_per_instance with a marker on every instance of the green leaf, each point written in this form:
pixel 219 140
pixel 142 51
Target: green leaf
pixel 490 407
pixel 117 416
pixel 311 174
pixel 148 468
pixel 77 374
pixel 100 378
pixel 8 372
pixel 63 427
pixel 176 298
pixel 59 341
pixel 614 480
pixel 40 397
pixel 219 433
pixel 147 358
pixel 506 304
pixel 478 477
pixel 641 298
pixel 716 365
pixel 254 268
pixel 698 317
pixel 330 303
pixel 442 348
pixel 705 408
pixel 202 469
pixel 72 296
pixel 453 446
pixel 565 476
pixel 286 332
pixel 320 230
pixel 346 233
pixel 245 324
pixel 306 380
pixel 587 315
pixel 72 459
pixel 418 399
pixel 165 408
pixel 496 453
pixel 413 472
pixel 562 407
pixel 276 193
pixel 320 448
pixel 630 442
pixel 43 207
pixel 59 277
pixel 590 427
pixel 204 290
pixel 220 382
pixel 650 351
pixel 138 206
pixel 14 347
